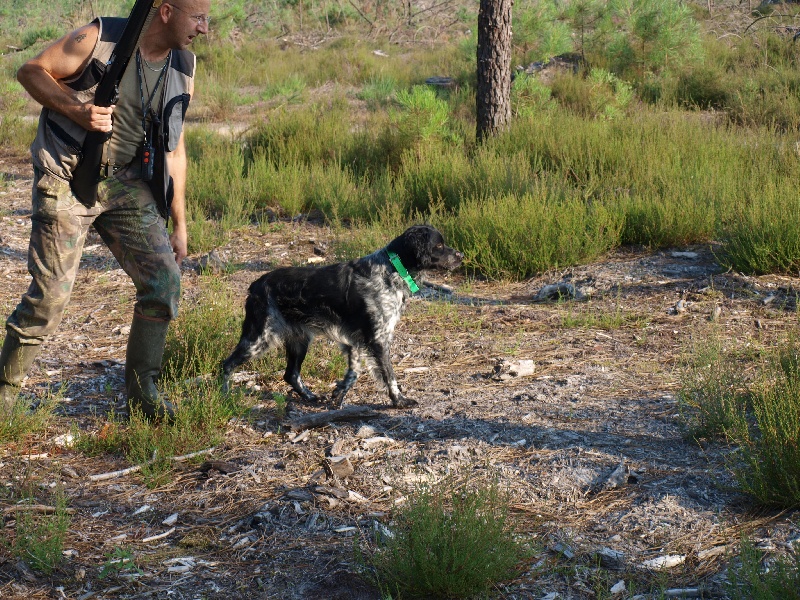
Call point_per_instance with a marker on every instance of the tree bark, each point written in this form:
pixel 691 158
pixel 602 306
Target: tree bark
pixel 493 96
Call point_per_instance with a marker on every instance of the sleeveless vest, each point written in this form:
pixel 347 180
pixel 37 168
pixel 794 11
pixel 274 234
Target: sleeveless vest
pixel 56 149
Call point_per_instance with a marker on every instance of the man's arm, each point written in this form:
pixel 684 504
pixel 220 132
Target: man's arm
pixel 177 163
pixel 42 74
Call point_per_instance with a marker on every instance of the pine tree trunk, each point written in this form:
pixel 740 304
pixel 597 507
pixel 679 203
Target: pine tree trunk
pixel 493 96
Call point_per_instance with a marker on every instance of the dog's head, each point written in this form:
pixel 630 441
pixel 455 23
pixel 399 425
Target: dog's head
pixel 422 247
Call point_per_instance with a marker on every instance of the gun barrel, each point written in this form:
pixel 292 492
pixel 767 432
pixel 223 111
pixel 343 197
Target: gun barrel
pixel 86 174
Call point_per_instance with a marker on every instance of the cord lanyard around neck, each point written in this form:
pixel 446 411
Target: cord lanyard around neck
pixel 147 145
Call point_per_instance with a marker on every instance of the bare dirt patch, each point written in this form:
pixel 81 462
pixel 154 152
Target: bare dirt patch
pixel 590 446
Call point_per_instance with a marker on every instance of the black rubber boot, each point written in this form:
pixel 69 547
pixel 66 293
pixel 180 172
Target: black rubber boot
pixel 15 361
pixel 143 366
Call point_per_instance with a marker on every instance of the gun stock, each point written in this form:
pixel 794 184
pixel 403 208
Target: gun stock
pixel 86 174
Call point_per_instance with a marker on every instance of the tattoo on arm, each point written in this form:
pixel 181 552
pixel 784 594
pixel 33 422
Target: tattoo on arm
pixel 79 38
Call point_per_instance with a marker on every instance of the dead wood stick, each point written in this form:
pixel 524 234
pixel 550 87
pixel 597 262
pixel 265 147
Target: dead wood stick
pixel 122 472
pixel 115 474
pixel 36 508
pixel 329 416
pixel 160 536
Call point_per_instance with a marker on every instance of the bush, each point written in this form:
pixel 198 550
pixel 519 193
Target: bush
pixel 39 538
pixel 768 459
pixel 449 543
pixel 713 394
pixel 748 579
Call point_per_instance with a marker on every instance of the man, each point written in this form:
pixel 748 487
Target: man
pixel 130 212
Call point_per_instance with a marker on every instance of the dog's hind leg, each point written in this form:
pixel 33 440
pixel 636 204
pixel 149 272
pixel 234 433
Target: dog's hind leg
pixel 296 350
pixel 353 371
pixel 385 374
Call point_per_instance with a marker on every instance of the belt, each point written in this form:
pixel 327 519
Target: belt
pixel 108 169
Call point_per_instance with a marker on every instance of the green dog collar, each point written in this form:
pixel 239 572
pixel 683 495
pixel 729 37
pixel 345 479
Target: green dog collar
pixel 401 270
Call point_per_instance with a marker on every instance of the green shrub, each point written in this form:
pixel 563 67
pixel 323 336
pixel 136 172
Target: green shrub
pixel 756 240
pixel 530 96
pixel 449 542
pixel 204 333
pixel 202 412
pixel 21 422
pixel 513 237
pixel 767 464
pixel 378 92
pixel 750 579
pixel 39 537
pixel 703 87
pixel 713 393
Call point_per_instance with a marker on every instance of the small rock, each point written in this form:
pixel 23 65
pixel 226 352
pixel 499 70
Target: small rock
pixel 68 471
pixel 504 370
pixel 302 436
pixel 356 497
pixel 65 441
pixel 558 291
pixel 377 441
pixel 337 449
pixel 366 431
pixel 212 263
pixel 610 559
pixel 170 520
pixel 300 494
pixel 444 82
pixel 686 255
pixel 711 552
pixel 564 550
pixel 618 587
pixel 331 491
pixel 339 466
pixel 664 562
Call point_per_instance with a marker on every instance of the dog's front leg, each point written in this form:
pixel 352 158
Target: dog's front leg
pixel 353 371
pixel 383 363
pixel 295 355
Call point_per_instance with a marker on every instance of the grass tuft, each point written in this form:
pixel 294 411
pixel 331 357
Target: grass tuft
pixel 750 577
pixel 39 538
pixel 448 543
pixel 713 393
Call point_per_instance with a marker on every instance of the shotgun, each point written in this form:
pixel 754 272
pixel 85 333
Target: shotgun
pixel 87 174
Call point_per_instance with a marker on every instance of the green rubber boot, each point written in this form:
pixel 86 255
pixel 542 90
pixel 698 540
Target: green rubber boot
pixel 15 361
pixel 143 366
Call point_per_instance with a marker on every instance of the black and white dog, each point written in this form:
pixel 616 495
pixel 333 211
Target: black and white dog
pixel 357 304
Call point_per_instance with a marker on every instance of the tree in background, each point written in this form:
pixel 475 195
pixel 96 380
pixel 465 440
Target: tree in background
pixel 493 94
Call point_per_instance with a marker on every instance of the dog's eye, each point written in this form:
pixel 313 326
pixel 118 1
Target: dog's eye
pixel 439 246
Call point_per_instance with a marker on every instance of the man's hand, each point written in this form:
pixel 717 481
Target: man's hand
pixel 179 241
pixel 94 118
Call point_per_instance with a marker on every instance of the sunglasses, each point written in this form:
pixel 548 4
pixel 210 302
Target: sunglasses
pixel 200 19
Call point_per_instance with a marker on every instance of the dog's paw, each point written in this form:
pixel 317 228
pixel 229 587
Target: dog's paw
pixel 310 397
pixel 404 402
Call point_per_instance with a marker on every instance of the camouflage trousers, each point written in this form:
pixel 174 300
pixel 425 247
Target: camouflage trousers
pixel 128 221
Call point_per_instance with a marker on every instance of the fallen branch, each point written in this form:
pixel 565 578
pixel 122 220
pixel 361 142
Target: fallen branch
pixel 37 508
pixel 325 418
pixel 129 470
pixel 160 536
